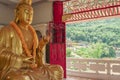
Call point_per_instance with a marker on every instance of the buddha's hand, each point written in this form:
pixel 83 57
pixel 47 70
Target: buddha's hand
pixel 47 37
pixel 28 62
pixel 44 41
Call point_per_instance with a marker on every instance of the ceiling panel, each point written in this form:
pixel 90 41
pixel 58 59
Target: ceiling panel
pixel 16 1
pixel 13 3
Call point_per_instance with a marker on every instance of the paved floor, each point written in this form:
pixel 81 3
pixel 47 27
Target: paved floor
pixel 76 78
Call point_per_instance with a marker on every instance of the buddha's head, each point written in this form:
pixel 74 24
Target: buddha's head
pixel 24 12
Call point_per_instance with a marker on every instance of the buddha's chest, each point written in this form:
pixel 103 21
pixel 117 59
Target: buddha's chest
pixel 28 37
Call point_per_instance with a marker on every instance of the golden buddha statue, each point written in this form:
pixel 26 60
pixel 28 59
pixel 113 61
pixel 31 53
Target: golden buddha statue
pixel 21 56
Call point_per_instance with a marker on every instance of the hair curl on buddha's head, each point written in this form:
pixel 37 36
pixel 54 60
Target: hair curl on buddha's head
pixel 24 2
pixel 21 6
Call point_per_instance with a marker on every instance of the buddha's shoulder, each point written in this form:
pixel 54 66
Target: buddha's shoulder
pixel 7 28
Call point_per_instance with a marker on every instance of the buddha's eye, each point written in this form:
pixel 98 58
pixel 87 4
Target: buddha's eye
pixel 28 12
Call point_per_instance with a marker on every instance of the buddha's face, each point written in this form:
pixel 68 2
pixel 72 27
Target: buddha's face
pixel 26 15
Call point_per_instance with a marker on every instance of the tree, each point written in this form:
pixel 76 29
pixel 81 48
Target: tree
pixel 68 52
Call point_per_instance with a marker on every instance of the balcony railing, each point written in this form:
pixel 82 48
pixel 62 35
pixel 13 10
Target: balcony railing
pixel 105 69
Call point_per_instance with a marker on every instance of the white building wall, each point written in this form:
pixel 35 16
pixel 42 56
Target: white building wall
pixel 43 13
pixel 6 14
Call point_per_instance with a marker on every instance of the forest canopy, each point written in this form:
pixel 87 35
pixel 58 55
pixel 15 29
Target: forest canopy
pixel 104 34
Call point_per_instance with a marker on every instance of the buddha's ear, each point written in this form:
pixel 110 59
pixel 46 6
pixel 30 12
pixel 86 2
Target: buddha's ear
pixel 16 15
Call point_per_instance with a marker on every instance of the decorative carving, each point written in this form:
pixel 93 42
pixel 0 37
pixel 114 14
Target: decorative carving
pixel 76 10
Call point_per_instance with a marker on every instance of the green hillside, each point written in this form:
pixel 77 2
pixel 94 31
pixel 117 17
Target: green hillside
pixel 106 32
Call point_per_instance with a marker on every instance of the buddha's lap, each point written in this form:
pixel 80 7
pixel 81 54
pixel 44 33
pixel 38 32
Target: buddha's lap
pixel 45 72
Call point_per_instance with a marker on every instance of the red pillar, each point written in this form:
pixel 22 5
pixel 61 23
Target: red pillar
pixel 58 44
pixel 57 11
